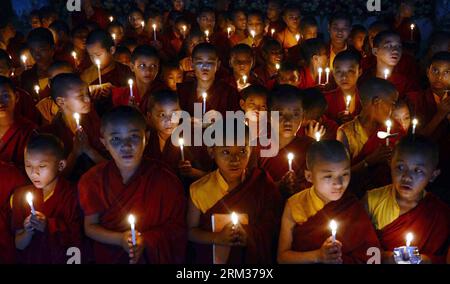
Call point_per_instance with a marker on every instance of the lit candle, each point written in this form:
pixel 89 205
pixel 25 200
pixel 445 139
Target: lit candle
pixel 244 79
pixel 327 72
pixel 253 33
pixel 114 37
pixel 97 62
pixel 204 95
pixel 142 24
pixel 386 73
pixel 74 55
pixel 23 57
pixel 207 35
pixel 184 28
pixel 412 31
pixel 234 220
pixel 181 142
pixel 317 135
pixel 297 37
pixel 130 83
pixel 229 32
pixel 414 125
pixel 388 130
pixel 320 70
pixel 290 157
pixel 277 66
pixel 348 100
pixel 333 228
pixel 37 89
pixel 409 238
pixel 154 32
pixel 132 221
pixel 111 18
pixel 29 198
pixel 76 116
pixel 272 31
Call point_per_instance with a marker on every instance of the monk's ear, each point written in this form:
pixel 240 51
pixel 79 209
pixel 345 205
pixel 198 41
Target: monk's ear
pixel 60 102
pixel 308 176
pixel 374 51
pixel 360 71
pixel 435 174
pixel 62 165
pixel 376 100
pixel 112 50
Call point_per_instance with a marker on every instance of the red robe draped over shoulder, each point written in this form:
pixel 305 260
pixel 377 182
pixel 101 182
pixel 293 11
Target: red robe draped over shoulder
pixel 154 195
pixel 336 104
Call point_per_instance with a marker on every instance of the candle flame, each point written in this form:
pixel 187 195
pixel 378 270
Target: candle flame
pixel 415 121
pixel 317 135
pixel 389 123
pixel 327 70
pixel 207 33
pixel 36 88
pixel 23 57
pixel 130 82
pixel 181 142
pixel 154 26
pixel 29 198
pixel 74 54
pixel 409 238
pixel 386 73
pixel 76 116
pixel 204 95
pixel 244 78
pixel 382 134
pixel 272 31
pixel 97 62
pixel 348 99
pixel 320 70
pixel 111 18
pixel 412 26
pixel 290 156
pixel 234 218
pixel 142 23
pixel 253 33
pixel 277 66
pixel 131 219
pixel 297 37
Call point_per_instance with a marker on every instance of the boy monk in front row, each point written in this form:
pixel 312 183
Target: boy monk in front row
pixel 407 206
pixel 305 235
pixel 129 184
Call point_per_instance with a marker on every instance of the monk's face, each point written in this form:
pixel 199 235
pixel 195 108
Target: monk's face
pixel 358 40
pixel 241 63
pixel 439 77
pixel 310 32
pixel 76 99
pixel 145 68
pixel 290 115
pixel 346 74
pixel 273 10
pixel 290 77
pixel 231 161
pixel 118 33
pixel 162 117
pixel 330 179
pixel 97 51
pixel 207 21
pixel 125 142
pixel 42 53
pixel 383 107
pixel 274 56
pixel 7 101
pixel 35 22
pixel 79 39
pixel 292 19
pixel 411 172
pixel 255 23
pixel 205 65
pixel 42 167
pixel 124 58
pixel 339 31
pixel 173 77
pixel 402 116
pixel 178 5
pixel 253 105
pixel 240 21
pixel 135 19
pixel 389 51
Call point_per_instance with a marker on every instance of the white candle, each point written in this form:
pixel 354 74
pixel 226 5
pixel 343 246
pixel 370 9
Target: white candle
pixel 229 32
pixel 272 31
pixel 348 100
pixel 181 143
pixel 297 37
pixel 327 72
pixel 132 221
pixel 207 35
pixel 317 135
pixel 204 95
pixel 320 70
pixel 37 89
pixel 386 73
pixel 74 55
pixel 234 219
pixel 244 79
pixel 253 33
pixel 409 238
pixel 114 37
pixel 333 228
pixel 412 31
pixel 154 32
pixel 29 198
pixel 76 116
pixel 23 57
pixel 142 24
pixel 111 18
pixel 277 66
pixel 388 130
pixel 414 125
pixel 290 157
pixel 130 83
pixel 184 28
pixel 97 62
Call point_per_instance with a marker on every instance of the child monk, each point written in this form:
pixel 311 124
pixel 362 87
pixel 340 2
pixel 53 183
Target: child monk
pixel 43 234
pixel 274 20
pixel 344 102
pixel 402 115
pixel 305 235
pixel 172 74
pixel 256 37
pixel 11 178
pixel 241 62
pixel 368 152
pixel 14 130
pixel 194 38
pixel 130 184
pixel 407 206
pixel 287 101
pixel 100 47
pixel 233 188
pixel 339 27
pixel 80 137
pixel 315 58
pixel 291 17
pixel 145 66
pixel 272 53
pixel 288 74
pixel 219 96
pixel 239 20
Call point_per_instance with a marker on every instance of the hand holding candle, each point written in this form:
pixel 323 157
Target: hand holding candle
pixel 290 157
pixel 333 228
pixel 132 221
pixel 181 143
pixel 29 198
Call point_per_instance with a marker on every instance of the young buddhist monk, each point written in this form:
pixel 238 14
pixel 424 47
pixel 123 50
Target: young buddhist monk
pixel 402 115
pixel 127 185
pixel 44 234
pixel 233 188
pixel 242 62
pixel 291 17
pixel 256 37
pixel 305 235
pixel 314 52
pixel 369 153
pixel 122 55
pixel 339 27
pixel 406 206
pixel 172 74
pixel 239 20
pixel 272 53
pixel 288 74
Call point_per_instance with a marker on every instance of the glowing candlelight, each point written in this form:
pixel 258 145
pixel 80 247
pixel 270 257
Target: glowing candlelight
pixel 29 198
pixel 130 83
pixel 327 72
pixel 142 24
pixel 386 73
pixel 277 66
pixel 253 33
pixel 37 89
pixel 388 130
pixel 297 37
pixel 181 143
pixel 348 101
pixel 244 79
pixel 184 28
pixel 412 31
pixel 333 228
pixel 114 37
pixel 229 32
pixel 317 135
pixel 320 70
pixel 234 219
pixel 290 157
pixel 132 220
pixel 207 35
pixel 204 95
pixel 74 55
pixel 154 32
pixel 24 58
pixel 97 62
pixel 76 116
pixel 409 238
pixel 111 18
pixel 414 125
pixel 272 32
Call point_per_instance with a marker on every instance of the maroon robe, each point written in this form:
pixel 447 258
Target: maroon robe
pixel 26 107
pixel 154 195
pixel 258 198
pixel 221 97
pixel 100 17
pixel 10 178
pixel 429 221
pixel 64 223
pixel 232 82
pixel 355 231
pixel 278 25
pixel 336 104
pixel 13 142
pixel 307 80
pixel 263 75
pixel 171 44
pixel 170 155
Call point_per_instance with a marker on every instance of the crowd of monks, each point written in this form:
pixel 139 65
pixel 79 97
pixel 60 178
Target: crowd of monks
pixel 89 105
